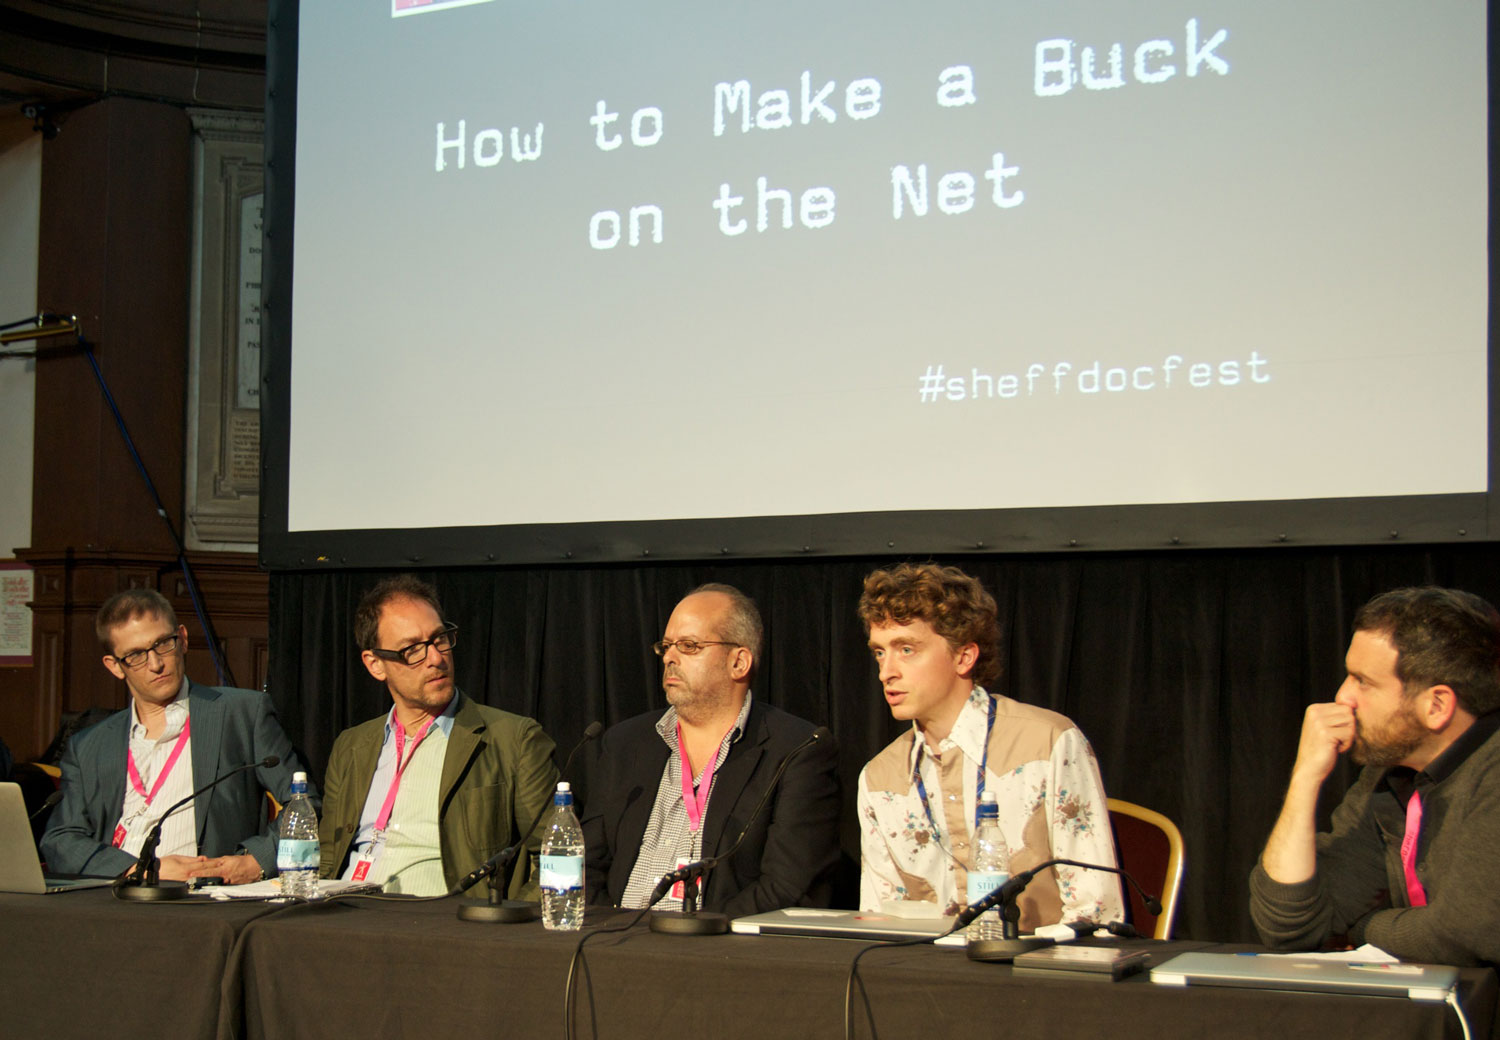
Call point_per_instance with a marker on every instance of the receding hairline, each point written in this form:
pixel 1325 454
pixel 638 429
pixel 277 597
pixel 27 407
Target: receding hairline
pixel 700 593
pixel 724 613
pixel 373 604
pixel 740 620
pixel 126 606
pixel 395 599
pixel 147 613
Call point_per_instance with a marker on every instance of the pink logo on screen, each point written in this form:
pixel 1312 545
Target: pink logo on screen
pixel 405 7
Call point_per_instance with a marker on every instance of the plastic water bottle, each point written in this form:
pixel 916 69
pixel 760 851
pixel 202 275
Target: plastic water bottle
pixel 297 844
pixel 990 868
pixel 562 865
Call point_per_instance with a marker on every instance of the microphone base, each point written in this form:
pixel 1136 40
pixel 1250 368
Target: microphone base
pixel 508 911
pixel 159 892
pixel 677 922
pixel 1002 951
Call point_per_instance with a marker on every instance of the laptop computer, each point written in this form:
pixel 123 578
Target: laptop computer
pixel 1429 982
pixel 20 866
pixel 841 924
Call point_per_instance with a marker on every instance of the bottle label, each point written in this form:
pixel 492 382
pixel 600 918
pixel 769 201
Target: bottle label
pixel 296 854
pixel 562 873
pixel 982 884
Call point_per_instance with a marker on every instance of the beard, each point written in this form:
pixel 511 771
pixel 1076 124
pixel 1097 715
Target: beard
pixel 1390 743
pixel 698 700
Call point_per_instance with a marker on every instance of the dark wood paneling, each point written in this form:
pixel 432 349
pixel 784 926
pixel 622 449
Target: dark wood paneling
pixel 69 675
pixel 115 250
pixel 190 53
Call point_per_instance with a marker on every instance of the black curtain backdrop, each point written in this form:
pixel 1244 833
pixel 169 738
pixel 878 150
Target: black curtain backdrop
pixel 1188 670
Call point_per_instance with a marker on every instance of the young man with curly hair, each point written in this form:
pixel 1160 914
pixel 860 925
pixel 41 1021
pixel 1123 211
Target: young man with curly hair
pixel 935 635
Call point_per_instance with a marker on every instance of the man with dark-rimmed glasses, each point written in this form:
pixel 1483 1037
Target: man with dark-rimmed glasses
pixel 421 795
pixel 174 737
pixel 673 788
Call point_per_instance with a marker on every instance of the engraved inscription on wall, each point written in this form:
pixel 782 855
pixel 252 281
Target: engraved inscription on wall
pixel 247 345
pixel 223 477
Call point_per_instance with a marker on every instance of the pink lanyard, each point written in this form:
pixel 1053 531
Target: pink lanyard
pixel 390 796
pixel 161 777
pixel 1414 890
pixel 696 801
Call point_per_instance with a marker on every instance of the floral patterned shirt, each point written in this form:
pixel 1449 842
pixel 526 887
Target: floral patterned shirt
pixel 1052 805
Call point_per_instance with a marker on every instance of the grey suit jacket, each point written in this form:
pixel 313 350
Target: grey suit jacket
pixel 231 728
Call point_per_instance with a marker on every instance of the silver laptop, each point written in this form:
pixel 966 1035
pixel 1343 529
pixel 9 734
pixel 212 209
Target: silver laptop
pixel 20 866
pixel 840 924
pixel 1413 981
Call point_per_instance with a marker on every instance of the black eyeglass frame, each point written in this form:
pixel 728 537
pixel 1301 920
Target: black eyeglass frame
pixel 415 653
pixel 166 646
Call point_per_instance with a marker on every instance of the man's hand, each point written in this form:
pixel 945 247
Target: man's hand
pixel 179 868
pixel 1327 732
pixel 1291 854
pixel 235 870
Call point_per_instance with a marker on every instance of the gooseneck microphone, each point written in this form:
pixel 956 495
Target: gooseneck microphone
pixel 690 921
pixel 52 799
pixel 505 911
pixel 1010 890
pixel 147 885
pixel 1005 896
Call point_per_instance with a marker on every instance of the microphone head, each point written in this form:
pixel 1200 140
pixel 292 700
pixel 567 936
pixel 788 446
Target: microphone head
pixel 822 733
pixel 1153 906
pixel 592 731
pixel 270 762
pixel 662 888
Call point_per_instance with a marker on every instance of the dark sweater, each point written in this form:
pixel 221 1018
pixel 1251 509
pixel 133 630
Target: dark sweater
pixel 1359 889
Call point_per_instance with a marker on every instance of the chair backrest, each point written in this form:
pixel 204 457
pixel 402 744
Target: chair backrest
pixel 1150 847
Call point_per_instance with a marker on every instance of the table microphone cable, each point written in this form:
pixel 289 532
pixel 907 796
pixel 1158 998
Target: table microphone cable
pixel 1004 893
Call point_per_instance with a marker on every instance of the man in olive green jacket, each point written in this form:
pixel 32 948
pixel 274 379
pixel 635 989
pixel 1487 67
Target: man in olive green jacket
pixel 417 798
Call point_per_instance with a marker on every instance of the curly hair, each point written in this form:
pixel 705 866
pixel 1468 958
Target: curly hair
pixel 1443 637
pixel 952 602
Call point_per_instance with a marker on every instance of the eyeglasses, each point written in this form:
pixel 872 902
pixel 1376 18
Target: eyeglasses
pixel 687 646
pixel 416 653
pixel 166 646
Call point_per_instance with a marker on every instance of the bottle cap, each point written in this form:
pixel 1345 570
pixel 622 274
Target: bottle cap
pixel 299 778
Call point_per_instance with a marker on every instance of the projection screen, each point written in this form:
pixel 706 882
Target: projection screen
pixel 603 281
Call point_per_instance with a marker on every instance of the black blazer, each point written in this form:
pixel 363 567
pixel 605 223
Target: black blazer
pixel 791 851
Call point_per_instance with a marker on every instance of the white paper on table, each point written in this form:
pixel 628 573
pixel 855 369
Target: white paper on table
pixel 1366 954
pixel 271 889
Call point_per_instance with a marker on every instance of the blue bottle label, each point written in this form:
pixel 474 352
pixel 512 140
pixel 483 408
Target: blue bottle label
pixel 562 873
pixel 296 854
pixel 981 885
